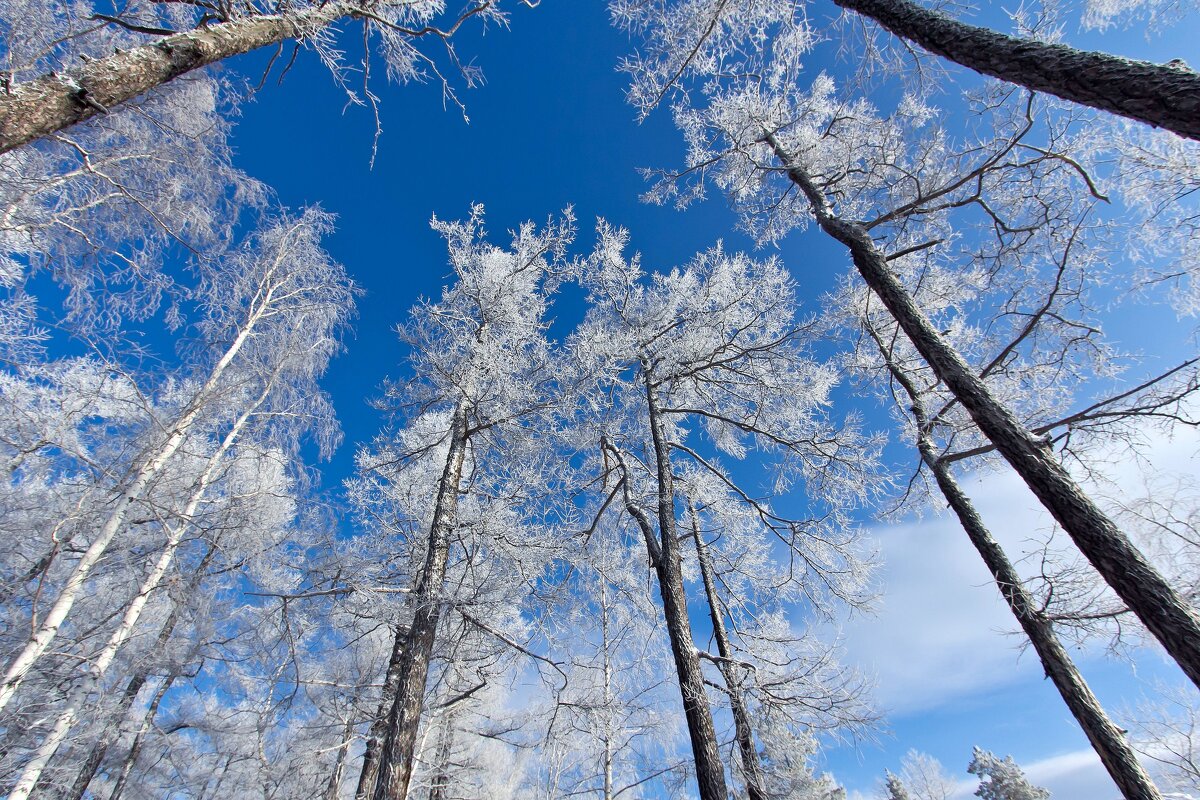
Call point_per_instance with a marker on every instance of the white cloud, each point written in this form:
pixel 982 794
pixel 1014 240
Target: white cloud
pixel 943 633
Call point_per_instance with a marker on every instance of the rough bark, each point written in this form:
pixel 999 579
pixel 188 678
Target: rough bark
pixel 1160 608
pixel 58 100
pixel 1162 96
pixel 404 718
pixel 743 731
pixel 710 772
pixel 1106 738
pixel 369 775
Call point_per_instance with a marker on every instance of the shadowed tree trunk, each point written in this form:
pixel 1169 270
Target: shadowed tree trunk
pixel 1162 96
pixel 743 731
pixel 50 103
pixel 1107 739
pixel 135 749
pixel 369 775
pixel 404 719
pixel 665 558
pixel 1160 608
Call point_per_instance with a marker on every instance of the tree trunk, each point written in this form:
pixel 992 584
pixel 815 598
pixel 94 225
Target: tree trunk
pixel 369 775
pixel 1160 608
pixel 1157 95
pixel 135 748
pixel 96 757
pixel 743 731
pixel 441 776
pixel 50 103
pixel 710 772
pixel 1107 739
pixel 333 788
pixel 404 718
pixel 100 664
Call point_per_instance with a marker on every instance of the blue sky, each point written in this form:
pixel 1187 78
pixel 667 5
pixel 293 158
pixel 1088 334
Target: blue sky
pixel 549 129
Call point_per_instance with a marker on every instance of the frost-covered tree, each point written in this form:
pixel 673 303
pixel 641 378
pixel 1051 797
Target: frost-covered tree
pixel 471 466
pixel 788 155
pixel 716 343
pixel 686 34
pixel 1002 779
pixel 47 92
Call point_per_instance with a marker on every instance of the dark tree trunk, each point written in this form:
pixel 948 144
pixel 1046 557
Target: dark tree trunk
pixel 710 772
pixel 1162 96
pixel 1160 608
pixel 52 102
pixel 1107 739
pixel 135 749
pixel 743 731
pixel 95 758
pixel 369 775
pixel 405 717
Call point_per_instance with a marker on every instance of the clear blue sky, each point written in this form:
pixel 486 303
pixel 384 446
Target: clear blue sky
pixel 551 128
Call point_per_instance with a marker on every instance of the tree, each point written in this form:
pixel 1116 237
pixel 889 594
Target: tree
pixel 785 152
pixel 283 305
pixel 1002 779
pixel 690 33
pixel 57 100
pixel 716 342
pixel 483 366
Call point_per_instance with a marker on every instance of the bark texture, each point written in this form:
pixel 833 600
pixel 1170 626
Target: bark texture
pixel 1162 96
pixel 58 100
pixel 710 772
pixel 1160 608
pixel 743 730
pixel 1107 739
pixel 369 775
pixel 396 757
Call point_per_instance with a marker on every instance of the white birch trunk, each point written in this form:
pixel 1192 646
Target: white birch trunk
pixel 132 493
pixel 70 713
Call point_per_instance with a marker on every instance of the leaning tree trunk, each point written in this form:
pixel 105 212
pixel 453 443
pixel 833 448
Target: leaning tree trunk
pixel 369 775
pixel 710 772
pixel 99 665
pixel 334 787
pixel 135 748
pixel 1158 95
pixel 404 719
pixel 1165 614
pixel 95 758
pixel 50 103
pixel 1107 739
pixel 133 492
pixel 743 731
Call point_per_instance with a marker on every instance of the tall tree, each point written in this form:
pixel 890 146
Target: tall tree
pixel 790 155
pixel 716 342
pixel 483 379
pixel 685 33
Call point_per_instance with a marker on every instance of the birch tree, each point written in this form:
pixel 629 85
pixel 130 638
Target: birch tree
pixel 282 270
